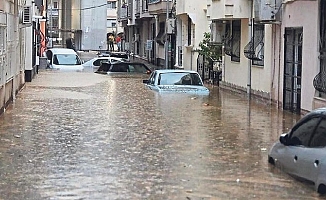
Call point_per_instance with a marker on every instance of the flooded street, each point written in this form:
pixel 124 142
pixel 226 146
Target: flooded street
pixel 91 136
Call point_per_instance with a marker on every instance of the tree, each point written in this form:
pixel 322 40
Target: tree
pixel 210 50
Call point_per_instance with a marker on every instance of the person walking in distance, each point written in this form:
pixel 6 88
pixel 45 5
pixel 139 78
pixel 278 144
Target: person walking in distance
pixel 118 41
pixel 111 41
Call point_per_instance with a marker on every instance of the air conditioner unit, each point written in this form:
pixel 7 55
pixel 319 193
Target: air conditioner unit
pixel 266 10
pixel 27 15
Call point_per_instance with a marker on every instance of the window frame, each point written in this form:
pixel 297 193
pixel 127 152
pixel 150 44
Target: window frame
pixel 259 28
pixel 236 40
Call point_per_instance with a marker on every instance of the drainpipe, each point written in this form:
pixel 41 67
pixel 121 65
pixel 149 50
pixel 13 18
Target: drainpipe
pixel 251 26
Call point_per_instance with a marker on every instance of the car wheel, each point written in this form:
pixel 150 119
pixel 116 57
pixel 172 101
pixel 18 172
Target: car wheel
pixel 321 189
pixel 271 160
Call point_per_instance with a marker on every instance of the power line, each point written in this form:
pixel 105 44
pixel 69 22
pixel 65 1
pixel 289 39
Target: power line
pixel 87 8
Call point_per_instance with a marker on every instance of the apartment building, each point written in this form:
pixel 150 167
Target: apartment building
pixel 274 49
pixel 271 49
pixel 84 21
pixel 144 23
pixel 20 45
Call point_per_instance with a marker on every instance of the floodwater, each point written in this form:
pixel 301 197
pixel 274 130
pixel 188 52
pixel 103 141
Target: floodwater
pixel 91 136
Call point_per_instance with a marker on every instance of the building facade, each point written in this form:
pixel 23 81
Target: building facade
pixel 20 46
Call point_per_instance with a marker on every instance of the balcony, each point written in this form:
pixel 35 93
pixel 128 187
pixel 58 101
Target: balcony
pixel 229 9
pixel 124 13
pixel 158 6
pixel 186 7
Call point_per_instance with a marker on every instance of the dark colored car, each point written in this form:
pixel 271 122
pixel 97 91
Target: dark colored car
pixel 301 152
pixel 124 67
pixel 123 55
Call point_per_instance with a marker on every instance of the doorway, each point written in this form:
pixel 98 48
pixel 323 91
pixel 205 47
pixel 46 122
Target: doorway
pixel 292 69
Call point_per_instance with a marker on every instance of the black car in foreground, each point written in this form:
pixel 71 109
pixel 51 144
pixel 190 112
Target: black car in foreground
pixel 123 67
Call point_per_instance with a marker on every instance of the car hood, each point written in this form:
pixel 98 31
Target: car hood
pixel 183 89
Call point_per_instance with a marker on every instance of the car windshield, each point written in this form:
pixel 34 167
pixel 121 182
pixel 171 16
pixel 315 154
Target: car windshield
pixel 134 68
pixel 179 78
pixel 66 59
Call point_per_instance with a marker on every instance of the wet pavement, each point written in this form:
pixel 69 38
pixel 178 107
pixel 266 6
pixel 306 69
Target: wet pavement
pixel 90 136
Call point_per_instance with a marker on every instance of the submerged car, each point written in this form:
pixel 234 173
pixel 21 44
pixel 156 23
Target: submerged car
pixel 63 59
pixel 115 54
pixel 181 81
pixel 96 62
pixel 124 68
pixel 302 151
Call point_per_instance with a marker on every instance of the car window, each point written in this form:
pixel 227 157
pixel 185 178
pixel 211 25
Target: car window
pixel 179 78
pixel 319 138
pixel 119 68
pixel 66 59
pixel 302 134
pixel 99 61
pixel 137 68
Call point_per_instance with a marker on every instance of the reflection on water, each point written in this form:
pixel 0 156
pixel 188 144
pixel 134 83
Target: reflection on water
pixel 89 136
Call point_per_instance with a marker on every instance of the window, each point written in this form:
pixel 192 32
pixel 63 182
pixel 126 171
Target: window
pixel 111 23
pixel 189 31
pixel 236 40
pixel 112 5
pixel 258 40
pixel 145 5
pixel 180 55
pixel 302 134
pixel 2 39
pixel 319 138
pixel 55 5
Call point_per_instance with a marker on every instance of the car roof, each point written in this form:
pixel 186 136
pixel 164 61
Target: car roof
pixel 128 63
pixel 62 51
pixel 175 70
pixel 318 111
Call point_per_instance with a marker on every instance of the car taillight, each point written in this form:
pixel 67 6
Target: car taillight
pixel 148 72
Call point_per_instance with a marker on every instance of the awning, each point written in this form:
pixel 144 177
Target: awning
pixel 193 17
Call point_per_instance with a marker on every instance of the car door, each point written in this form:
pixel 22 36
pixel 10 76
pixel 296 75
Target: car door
pixel 293 157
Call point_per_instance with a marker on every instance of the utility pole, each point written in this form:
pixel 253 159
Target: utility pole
pixel 251 31
pixel 166 44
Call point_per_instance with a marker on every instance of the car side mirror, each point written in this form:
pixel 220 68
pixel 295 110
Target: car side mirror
pixel 145 81
pixel 284 139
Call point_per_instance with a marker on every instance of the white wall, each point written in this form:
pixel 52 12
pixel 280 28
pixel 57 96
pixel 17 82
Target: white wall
pixel 300 14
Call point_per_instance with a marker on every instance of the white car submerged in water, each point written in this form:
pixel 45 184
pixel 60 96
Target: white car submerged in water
pixel 64 59
pixel 176 81
pixel 301 152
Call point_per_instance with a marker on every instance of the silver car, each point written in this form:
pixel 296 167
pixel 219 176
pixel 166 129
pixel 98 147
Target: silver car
pixel 176 81
pixel 302 151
